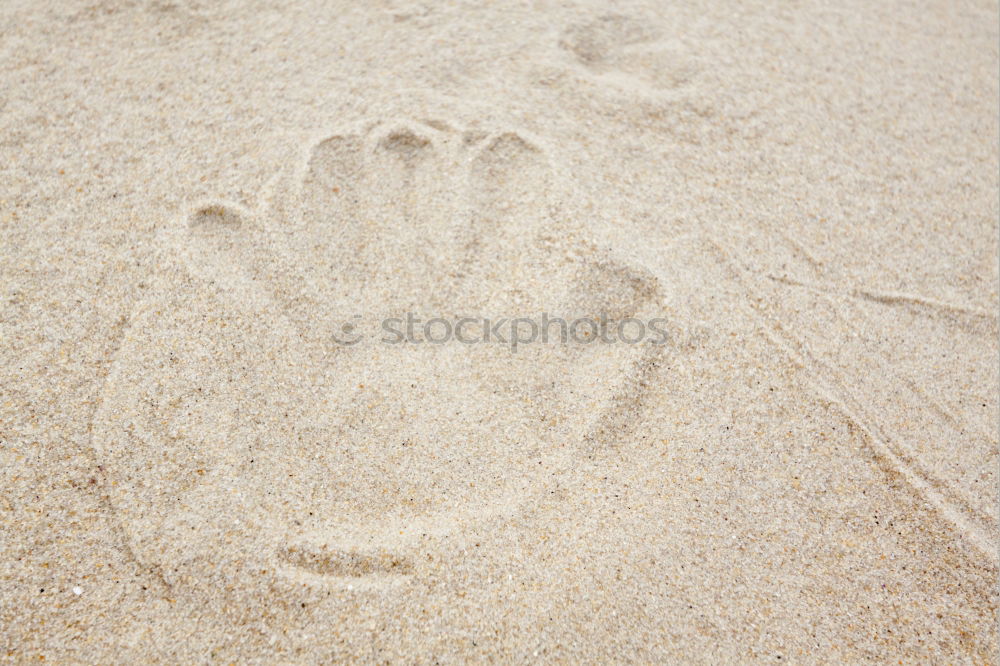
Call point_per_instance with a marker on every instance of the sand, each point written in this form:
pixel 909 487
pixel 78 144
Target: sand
pixel 209 453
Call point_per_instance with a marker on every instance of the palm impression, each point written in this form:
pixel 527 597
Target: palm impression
pixel 234 422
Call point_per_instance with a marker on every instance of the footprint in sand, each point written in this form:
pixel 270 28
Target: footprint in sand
pixel 623 67
pixel 628 54
pixel 238 437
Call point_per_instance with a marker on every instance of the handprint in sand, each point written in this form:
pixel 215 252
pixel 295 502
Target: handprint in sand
pixel 358 464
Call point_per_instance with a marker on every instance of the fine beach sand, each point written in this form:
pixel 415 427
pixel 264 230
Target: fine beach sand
pixel 199 201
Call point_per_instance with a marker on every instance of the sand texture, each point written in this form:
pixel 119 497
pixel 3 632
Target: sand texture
pixel 209 452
